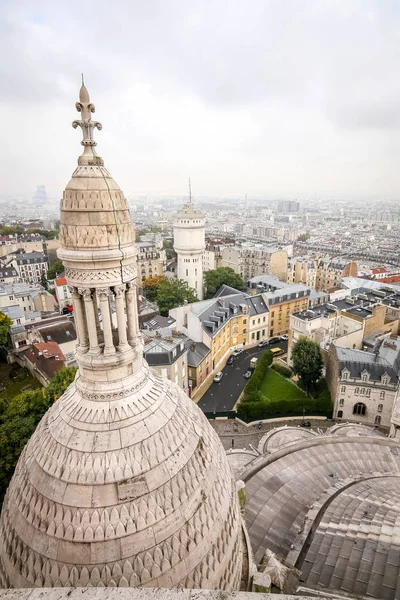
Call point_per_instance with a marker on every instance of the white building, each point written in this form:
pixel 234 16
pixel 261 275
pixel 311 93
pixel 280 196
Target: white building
pixel 189 244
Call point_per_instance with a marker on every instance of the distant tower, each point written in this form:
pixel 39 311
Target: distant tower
pixel 189 244
pixel 40 197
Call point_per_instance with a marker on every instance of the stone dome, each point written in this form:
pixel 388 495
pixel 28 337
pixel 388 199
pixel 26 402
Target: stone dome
pixel 124 482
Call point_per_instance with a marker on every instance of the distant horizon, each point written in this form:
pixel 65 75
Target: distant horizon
pixel 280 99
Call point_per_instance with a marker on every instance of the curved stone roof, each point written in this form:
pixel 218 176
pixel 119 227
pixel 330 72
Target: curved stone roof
pixel 283 436
pixel 352 429
pixel 132 490
pixel 328 505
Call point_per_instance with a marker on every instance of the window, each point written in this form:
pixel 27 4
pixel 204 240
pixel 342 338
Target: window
pixel 357 390
pixel 343 389
pixel 377 420
pixel 340 414
pixel 362 391
pixel 345 374
pixel 368 392
pixel 187 272
pixel 244 321
pixel 382 394
pixel 359 409
pixel 385 380
pixel 341 402
pixel 380 407
pixel 364 377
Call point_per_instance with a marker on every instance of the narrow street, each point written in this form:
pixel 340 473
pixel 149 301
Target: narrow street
pixel 223 396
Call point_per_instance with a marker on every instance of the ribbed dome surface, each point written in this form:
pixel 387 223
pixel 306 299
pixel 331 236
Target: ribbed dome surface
pixel 122 491
pixel 94 212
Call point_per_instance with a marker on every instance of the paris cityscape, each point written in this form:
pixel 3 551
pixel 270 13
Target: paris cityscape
pixel 200 358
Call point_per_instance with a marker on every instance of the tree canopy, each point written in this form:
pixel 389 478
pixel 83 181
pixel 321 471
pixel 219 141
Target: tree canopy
pixel 56 269
pixel 172 293
pixel 5 324
pixel 223 275
pixel 150 286
pixel 19 418
pixel 307 362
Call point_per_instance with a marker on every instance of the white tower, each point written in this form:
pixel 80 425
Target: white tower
pixel 189 244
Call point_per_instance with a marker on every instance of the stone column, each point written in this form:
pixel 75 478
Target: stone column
pixel 96 313
pixel 90 320
pixel 103 295
pixel 80 321
pixel 131 312
pixel 119 292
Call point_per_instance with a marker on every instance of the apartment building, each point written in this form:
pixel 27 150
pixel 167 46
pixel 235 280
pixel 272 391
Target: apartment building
pixel 29 298
pixel 223 323
pixel 302 270
pixel 8 275
pixel 282 303
pixel 364 386
pixel 331 270
pixel 347 322
pixel 151 260
pixel 251 260
pixel 199 366
pixel 30 266
pixel 165 350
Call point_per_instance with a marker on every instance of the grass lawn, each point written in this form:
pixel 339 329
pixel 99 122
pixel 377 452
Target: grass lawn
pixel 281 398
pixel 277 388
pixel 9 386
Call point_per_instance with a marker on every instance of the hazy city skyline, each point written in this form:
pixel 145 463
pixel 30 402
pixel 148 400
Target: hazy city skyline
pixel 270 98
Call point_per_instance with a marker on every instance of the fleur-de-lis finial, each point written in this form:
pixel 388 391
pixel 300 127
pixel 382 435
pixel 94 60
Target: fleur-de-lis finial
pixel 86 108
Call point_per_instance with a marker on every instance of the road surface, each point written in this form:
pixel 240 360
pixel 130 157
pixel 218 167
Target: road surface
pixel 223 396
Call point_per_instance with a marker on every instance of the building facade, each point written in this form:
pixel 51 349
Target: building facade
pixel 250 260
pixel 152 260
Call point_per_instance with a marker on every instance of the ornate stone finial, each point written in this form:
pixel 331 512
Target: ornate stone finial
pixel 85 107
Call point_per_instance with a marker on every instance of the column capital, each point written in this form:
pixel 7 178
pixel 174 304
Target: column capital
pixel 87 293
pixel 119 290
pixel 74 291
pixel 103 293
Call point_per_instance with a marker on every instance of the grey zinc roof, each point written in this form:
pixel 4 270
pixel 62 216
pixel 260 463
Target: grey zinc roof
pixel 226 290
pixel 196 353
pixel 344 491
pixel 270 280
pixel 357 361
pixel 219 310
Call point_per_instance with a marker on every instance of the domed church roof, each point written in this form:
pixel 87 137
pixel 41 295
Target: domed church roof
pixel 123 483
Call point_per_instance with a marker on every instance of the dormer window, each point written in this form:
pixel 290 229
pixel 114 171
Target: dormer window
pixel 385 379
pixel 364 376
pixel 345 374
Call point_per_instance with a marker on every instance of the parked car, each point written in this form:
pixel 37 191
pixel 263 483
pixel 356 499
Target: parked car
pixel 263 343
pixel 237 352
pixel 218 377
pixel 248 374
pixel 230 360
pixel 284 337
pixel 273 340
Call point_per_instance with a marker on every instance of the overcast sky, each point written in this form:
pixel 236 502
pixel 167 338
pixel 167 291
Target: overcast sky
pixel 285 97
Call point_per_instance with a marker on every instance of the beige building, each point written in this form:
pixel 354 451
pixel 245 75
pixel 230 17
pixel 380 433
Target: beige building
pixel 250 260
pixel 282 303
pixel 302 270
pixel 364 385
pixel 223 323
pixel 331 270
pixel 151 260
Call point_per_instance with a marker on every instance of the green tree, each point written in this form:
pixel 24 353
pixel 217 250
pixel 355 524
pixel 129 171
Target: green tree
pixel 172 293
pixel 150 286
pixel 20 417
pixel 44 282
pixel 307 362
pixel 56 269
pixel 168 246
pixel 5 324
pixel 13 230
pixel 223 275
